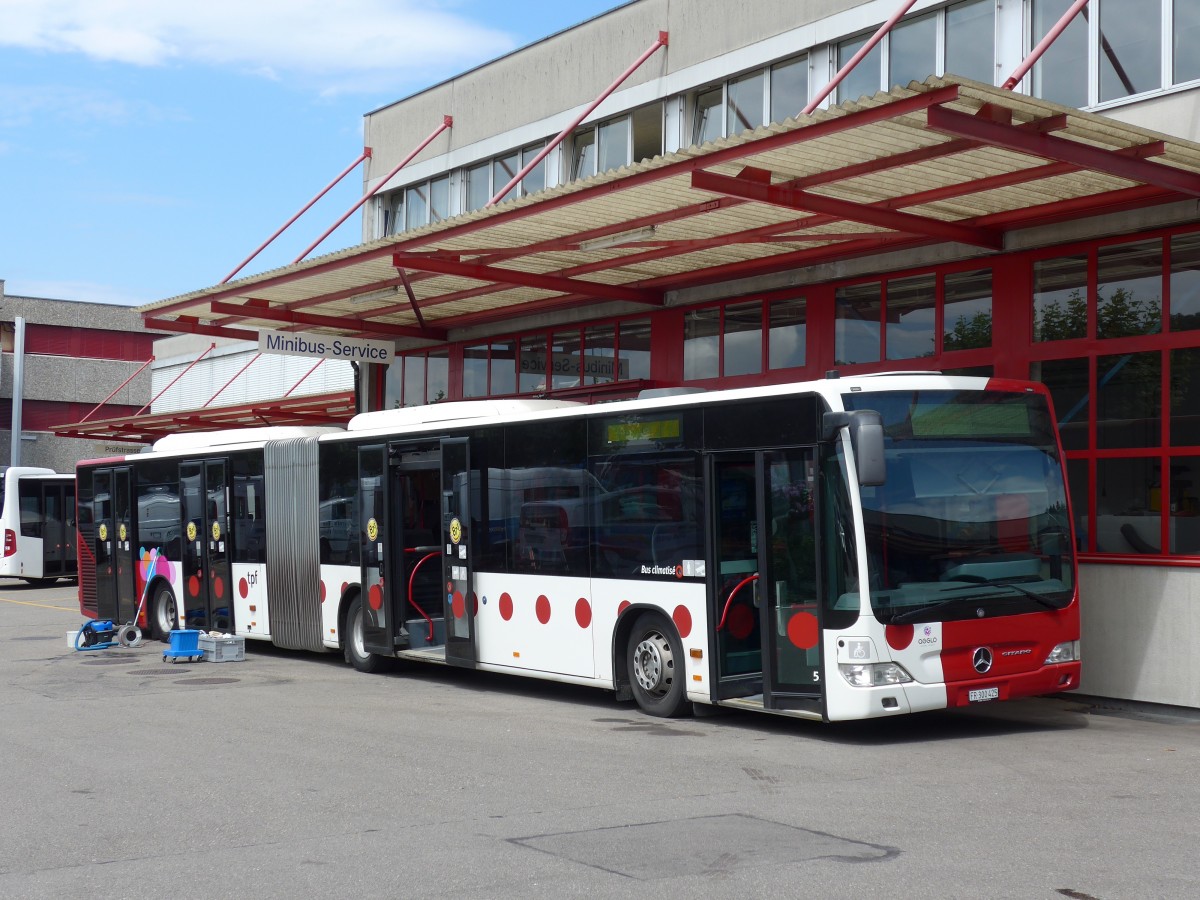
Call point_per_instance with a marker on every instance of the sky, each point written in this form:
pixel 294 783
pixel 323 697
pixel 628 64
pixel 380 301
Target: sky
pixel 148 146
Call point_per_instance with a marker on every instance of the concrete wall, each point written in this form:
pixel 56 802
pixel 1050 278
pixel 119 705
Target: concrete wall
pixel 546 81
pixel 1141 625
pixel 68 379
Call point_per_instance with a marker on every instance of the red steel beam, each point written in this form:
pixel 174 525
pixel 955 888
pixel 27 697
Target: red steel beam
pixel 660 41
pixel 447 122
pixel 141 369
pixel 343 323
pixel 1048 146
pixel 189 327
pixel 857 57
pixel 792 198
pixel 211 348
pixel 526 279
pixel 253 360
pixel 895 109
pixel 366 154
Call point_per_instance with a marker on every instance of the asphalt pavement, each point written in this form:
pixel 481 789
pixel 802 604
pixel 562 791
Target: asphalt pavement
pixel 290 775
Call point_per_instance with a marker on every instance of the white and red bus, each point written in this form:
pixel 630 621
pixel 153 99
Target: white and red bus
pixel 841 549
pixel 37 521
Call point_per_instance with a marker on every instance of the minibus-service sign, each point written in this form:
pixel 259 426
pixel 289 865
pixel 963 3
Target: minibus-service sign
pixel 326 346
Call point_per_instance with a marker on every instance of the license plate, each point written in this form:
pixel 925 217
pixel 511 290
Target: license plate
pixel 982 694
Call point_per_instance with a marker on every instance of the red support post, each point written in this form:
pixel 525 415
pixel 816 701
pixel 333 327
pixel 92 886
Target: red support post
pixel 857 57
pixel 141 369
pixel 366 154
pixel 253 360
pixel 304 376
pixel 1043 45
pixel 211 348
pixel 447 122
pixel 661 41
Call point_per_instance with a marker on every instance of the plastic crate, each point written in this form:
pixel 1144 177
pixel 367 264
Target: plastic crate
pixel 231 649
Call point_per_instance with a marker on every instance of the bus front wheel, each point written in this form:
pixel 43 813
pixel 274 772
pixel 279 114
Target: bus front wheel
pixel 356 652
pixel 654 664
pixel 164 613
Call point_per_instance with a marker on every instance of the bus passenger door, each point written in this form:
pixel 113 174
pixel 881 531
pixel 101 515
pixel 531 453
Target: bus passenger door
pixel 765 592
pixel 115 583
pixel 204 506
pixel 456 560
pixel 788 567
pixel 378 625
pixel 58 529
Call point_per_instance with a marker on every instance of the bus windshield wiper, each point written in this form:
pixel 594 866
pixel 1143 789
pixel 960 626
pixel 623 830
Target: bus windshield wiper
pixel 1009 583
pixel 907 615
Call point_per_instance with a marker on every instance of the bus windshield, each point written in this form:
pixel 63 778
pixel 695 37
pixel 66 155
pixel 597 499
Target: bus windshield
pixel 972 520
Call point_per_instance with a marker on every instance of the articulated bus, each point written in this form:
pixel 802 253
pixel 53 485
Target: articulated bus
pixel 842 549
pixel 37 520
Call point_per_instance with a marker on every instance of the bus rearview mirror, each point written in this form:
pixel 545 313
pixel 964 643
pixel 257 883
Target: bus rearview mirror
pixel 866 441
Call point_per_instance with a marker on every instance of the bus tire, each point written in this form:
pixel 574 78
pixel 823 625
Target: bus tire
pixel 164 612
pixel 356 654
pixel 654 664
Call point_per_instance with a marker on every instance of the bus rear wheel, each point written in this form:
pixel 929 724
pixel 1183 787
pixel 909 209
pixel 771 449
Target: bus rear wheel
pixel 164 613
pixel 352 641
pixel 654 664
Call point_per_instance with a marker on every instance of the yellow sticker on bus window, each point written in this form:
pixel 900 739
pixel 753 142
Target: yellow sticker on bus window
pixel 216 531
pixel 191 531
pixel 455 531
pixel 372 529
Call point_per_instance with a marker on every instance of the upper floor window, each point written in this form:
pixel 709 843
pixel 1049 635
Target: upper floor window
pixel 483 181
pixel 951 39
pixel 1114 49
pixel 417 205
pixel 744 338
pixel 617 142
pixel 746 102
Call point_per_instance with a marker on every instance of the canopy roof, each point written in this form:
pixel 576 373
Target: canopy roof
pixel 947 160
pixel 944 161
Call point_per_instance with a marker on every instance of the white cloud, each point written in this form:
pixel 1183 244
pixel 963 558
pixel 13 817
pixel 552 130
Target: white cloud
pixel 26 104
pixel 333 43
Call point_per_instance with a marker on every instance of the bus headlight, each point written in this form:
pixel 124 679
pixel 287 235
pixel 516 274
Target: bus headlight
pixel 1067 651
pixel 874 674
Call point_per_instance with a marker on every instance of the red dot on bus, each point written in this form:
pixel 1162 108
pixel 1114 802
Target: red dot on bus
pixel 345 584
pixel 218 588
pixel 458 605
pixel 243 588
pixel 740 621
pixel 802 630
pixel 474 604
pixel 542 607
pixel 683 620
pixel 321 583
pixel 194 586
pixel 375 597
pixel 583 612
pixel 898 636
pixel 506 606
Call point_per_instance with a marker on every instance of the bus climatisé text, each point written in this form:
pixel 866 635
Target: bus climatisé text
pixel 835 550
pixel 37 521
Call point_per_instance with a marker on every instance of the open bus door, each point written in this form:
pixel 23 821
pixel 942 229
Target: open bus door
pixel 57 503
pixel 767 613
pixel 456 560
pixel 378 619
pixel 399 485
pixel 116 591
pixel 207 573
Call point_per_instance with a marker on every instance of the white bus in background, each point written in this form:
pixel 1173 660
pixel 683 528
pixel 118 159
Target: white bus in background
pixel 37 522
